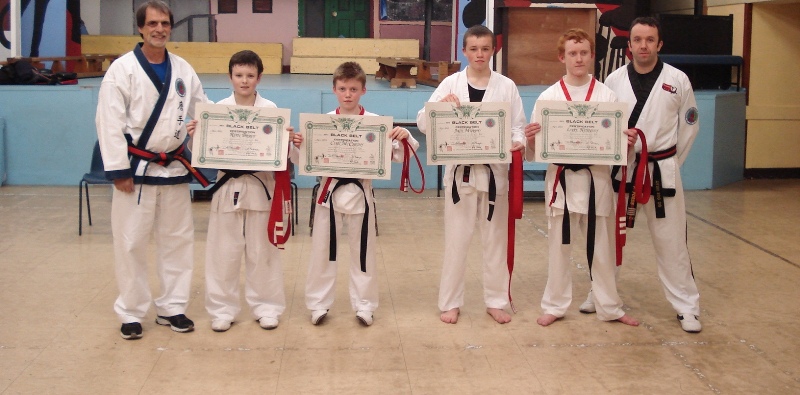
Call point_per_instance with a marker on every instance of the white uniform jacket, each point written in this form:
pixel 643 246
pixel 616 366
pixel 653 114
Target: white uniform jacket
pixel 246 192
pixel 500 89
pixel 349 199
pixel 124 105
pixel 578 183
pixel 668 118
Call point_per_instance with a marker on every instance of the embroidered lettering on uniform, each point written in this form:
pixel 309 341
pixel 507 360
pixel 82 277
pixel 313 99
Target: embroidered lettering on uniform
pixel 177 134
pixel 180 105
pixel 669 88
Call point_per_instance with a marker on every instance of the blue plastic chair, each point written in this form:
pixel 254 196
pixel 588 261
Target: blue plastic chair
pixel 96 175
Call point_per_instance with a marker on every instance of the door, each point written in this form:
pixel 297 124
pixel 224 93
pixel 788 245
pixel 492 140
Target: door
pixel 347 18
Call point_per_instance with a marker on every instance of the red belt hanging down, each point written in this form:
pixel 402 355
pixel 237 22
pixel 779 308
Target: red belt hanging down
pixel 640 193
pixel 514 212
pixel 279 225
pixel 405 179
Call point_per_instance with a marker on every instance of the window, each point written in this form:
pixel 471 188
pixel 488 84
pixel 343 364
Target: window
pixel 262 6
pixel 226 6
pixel 414 10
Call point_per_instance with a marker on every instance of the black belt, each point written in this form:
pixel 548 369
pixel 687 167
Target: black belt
pixel 465 178
pixel 228 174
pixel 592 214
pixel 659 192
pixel 364 223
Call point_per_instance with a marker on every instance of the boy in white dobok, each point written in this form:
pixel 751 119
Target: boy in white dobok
pixel 473 185
pixel 238 224
pixel 569 190
pixel 347 201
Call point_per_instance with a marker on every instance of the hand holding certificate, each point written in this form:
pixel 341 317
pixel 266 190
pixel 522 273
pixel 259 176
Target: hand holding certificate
pixel 577 132
pixel 470 133
pixel 352 146
pixel 241 137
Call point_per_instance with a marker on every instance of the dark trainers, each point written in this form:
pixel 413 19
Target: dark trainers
pixel 178 323
pixel 131 331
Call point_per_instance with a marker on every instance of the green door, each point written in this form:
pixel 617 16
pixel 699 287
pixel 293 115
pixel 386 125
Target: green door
pixel 347 18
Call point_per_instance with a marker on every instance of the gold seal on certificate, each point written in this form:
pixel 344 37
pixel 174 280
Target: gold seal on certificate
pixel 471 133
pixel 240 137
pixel 351 146
pixel 575 132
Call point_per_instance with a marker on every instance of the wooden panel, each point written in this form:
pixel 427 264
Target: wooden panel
pixel 530 56
pixel 205 57
pixel 357 47
pixel 92 44
pixel 326 65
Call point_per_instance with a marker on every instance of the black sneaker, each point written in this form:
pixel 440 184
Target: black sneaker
pixel 178 323
pixel 131 331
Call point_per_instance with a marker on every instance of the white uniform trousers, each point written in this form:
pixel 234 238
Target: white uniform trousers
pixel 459 224
pixel 165 211
pixel 558 292
pixel 321 280
pixel 672 253
pixel 231 235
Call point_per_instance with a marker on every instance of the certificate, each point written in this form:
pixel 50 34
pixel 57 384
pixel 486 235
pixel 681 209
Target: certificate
pixel 351 146
pixel 240 137
pixel 577 132
pixel 470 134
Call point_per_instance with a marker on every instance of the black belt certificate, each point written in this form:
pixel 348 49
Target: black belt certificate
pixel 575 132
pixel 241 137
pixel 347 146
pixel 472 133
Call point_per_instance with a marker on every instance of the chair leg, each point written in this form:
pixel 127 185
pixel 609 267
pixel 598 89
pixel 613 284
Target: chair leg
pixel 293 199
pixel 88 206
pixel 375 213
pixel 80 208
pixel 314 192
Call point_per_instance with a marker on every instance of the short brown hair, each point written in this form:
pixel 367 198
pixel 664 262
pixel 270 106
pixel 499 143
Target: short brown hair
pixel 648 21
pixel 245 58
pixel 477 31
pixel 349 71
pixel 158 5
pixel 577 35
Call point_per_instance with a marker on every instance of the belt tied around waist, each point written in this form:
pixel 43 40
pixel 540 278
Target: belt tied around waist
pixel 560 179
pixel 325 194
pixel 164 159
pixel 465 178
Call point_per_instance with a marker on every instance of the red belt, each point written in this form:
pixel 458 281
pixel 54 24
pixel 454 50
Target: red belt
pixel 515 197
pixel 640 193
pixel 405 180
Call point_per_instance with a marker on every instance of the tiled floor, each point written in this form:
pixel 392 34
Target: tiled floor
pixel 58 333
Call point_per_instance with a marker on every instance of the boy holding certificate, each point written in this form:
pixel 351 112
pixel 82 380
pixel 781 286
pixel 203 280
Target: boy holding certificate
pixel 347 201
pixel 476 193
pixel 579 197
pixel 238 224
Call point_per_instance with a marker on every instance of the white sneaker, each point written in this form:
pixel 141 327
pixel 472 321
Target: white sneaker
pixel 690 323
pixel 317 316
pixel 268 322
pixel 588 306
pixel 220 325
pixel 365 317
